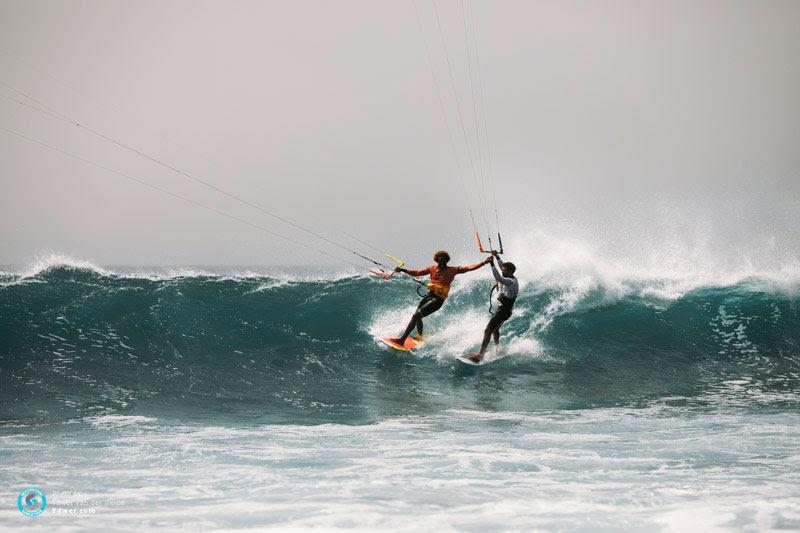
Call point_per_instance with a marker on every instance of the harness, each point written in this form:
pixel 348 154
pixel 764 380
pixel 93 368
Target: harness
pixel 502 298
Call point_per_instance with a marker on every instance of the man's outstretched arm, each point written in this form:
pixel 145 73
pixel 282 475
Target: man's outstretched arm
pixel 470 268
pixel 415 272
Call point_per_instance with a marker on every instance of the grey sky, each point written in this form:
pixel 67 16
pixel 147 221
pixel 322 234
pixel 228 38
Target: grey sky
pixel 640 127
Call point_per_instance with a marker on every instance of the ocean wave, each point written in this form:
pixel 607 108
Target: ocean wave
pixel 77 340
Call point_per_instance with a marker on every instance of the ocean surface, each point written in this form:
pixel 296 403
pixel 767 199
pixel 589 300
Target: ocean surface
pixel 220 398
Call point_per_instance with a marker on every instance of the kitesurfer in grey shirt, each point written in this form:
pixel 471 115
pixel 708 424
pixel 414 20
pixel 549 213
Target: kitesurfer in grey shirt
pixel 507 288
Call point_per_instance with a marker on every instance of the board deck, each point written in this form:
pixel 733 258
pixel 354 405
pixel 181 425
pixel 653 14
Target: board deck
pixel 410 344
pixel 467 361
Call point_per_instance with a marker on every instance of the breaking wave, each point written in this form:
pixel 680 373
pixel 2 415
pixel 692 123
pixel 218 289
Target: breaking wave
pixel 77 341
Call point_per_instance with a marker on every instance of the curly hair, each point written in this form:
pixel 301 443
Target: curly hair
pixel 441 254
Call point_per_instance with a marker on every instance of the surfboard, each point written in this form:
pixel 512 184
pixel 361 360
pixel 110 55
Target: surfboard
pixel 467 361
pixel 410 344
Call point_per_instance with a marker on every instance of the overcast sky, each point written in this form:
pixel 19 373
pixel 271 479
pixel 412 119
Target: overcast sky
pixel 624 124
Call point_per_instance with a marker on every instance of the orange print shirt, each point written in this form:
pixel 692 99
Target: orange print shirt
pixel 442 278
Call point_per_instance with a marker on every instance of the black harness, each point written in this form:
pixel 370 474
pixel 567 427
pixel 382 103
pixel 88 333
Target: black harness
pixel 502 298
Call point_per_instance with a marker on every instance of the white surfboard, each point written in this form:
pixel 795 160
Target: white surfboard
pixel 467 361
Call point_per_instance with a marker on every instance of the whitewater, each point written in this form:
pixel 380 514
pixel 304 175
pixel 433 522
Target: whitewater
pixel 658 399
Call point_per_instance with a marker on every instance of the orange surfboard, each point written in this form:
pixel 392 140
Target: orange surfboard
pixel 410 344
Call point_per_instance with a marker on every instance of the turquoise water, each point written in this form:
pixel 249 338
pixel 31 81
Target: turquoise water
pixel 208 399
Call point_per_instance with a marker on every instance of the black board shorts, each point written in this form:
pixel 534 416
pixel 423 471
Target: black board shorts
pixel 430 303
pixel 502 314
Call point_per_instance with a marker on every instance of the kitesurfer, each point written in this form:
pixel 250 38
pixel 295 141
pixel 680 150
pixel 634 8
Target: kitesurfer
pixel 439 287
pixel 507 290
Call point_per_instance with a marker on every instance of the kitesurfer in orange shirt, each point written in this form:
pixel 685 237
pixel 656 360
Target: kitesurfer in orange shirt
pixel 439 287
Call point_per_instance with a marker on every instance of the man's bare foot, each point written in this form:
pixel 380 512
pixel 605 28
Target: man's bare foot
pixel 475 357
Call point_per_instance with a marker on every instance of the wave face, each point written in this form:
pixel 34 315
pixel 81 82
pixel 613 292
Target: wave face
pixel 79 341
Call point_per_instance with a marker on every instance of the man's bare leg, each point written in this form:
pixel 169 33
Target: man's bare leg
pixel 478 357
pixel 416 321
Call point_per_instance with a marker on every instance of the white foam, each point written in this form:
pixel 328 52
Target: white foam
pixel 54 260
pixel 619 468
pixel 670 272
pixel 583 277
pixel 120 420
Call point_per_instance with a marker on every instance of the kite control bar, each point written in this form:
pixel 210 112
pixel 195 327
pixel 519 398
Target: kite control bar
pixel 491 248
pixel 400 263
pixel 382 273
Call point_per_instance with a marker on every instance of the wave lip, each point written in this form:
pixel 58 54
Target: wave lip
pixel 55 262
